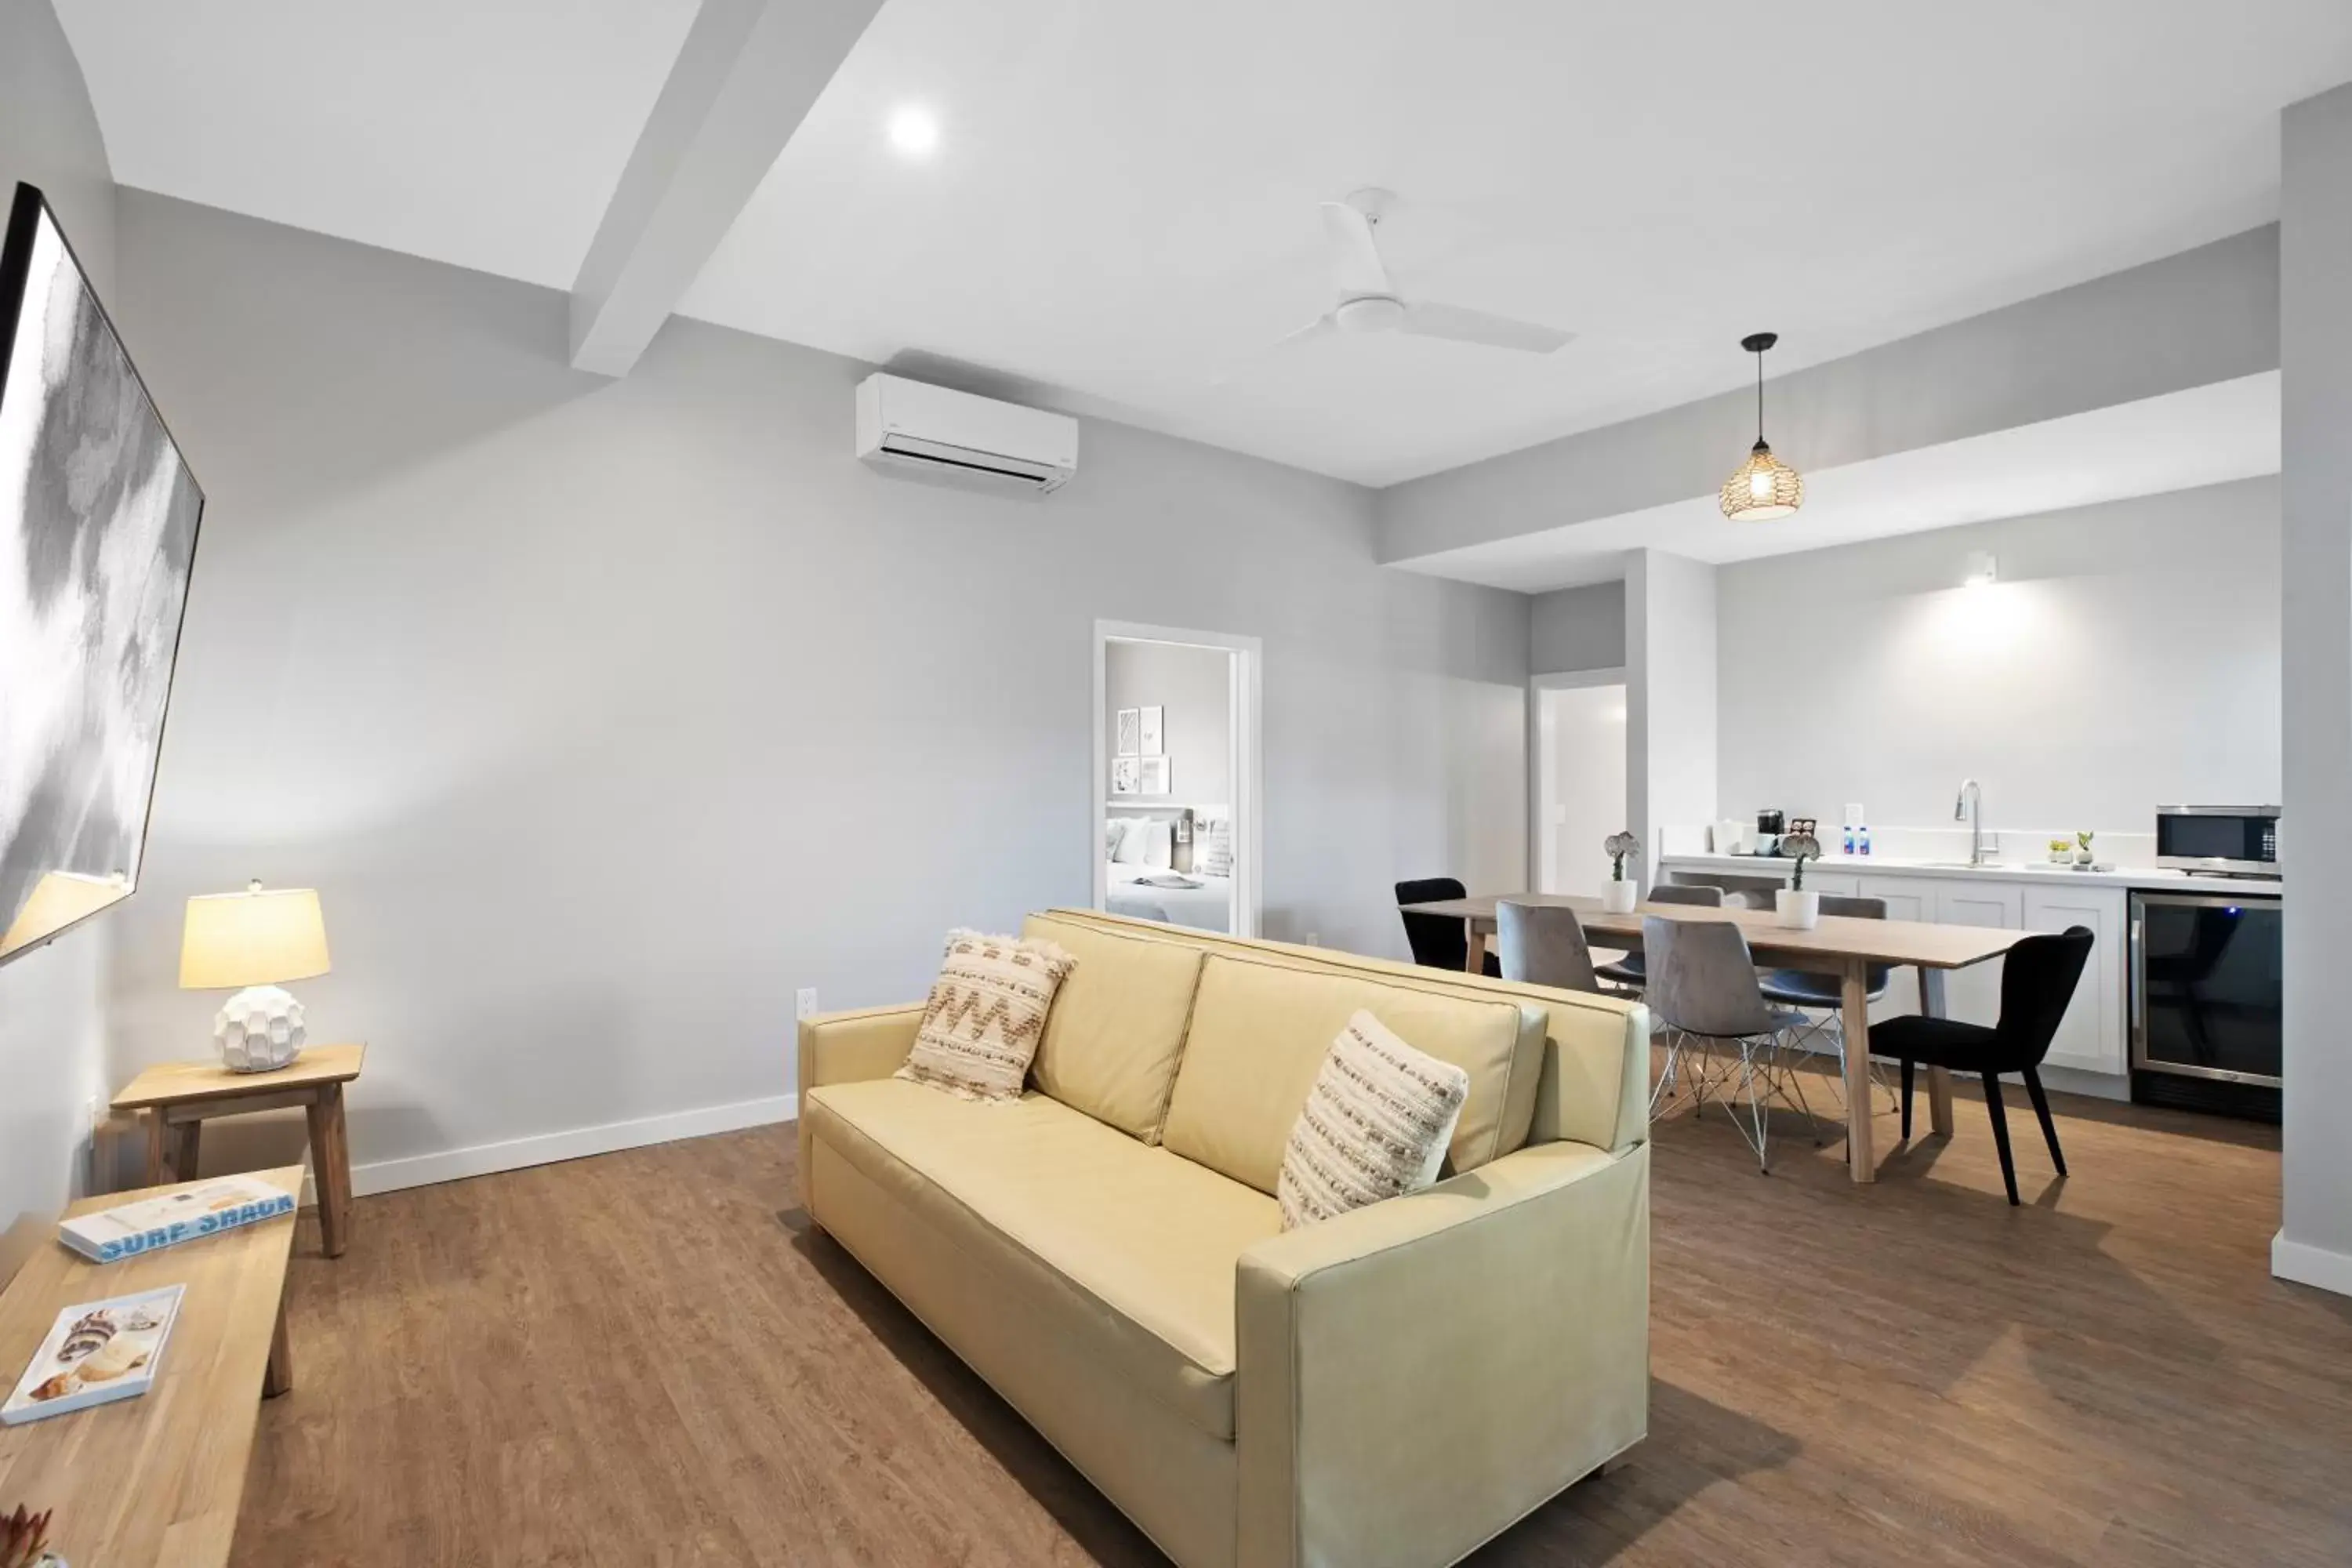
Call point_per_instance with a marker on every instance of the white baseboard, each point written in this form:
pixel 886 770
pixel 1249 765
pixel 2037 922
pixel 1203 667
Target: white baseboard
pixel 2308 1265
pixel 546 1148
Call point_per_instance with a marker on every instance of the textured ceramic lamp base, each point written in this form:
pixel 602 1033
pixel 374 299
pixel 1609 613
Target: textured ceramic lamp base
pixel 260 1029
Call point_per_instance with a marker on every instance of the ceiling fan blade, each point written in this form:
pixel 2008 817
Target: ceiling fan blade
pixel 1321 326
pixel 1467 326
pixel 1355 258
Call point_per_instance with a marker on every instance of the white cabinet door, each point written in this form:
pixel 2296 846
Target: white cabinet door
pixel 1973 994
pixel 1907 899
pixel 2090 1038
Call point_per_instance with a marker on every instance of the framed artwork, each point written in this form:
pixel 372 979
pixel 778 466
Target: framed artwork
pixel 97 532
pixel 1130 731
pixel 1124 773
pixel 1153 719
pixel 1153 774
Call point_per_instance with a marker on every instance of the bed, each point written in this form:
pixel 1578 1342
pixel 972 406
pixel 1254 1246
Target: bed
pixel 1153 857
pixel 1206 905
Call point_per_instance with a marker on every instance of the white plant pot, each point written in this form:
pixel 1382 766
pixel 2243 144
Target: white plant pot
pixel 1799 909
pixel 1618 897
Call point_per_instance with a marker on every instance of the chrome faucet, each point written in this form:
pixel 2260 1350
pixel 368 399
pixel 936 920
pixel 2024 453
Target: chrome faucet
pixel 1970 808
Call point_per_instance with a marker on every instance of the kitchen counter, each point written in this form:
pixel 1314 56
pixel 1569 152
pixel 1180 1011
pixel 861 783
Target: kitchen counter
pixel 1993 871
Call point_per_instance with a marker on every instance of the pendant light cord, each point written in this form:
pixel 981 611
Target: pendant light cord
pixel 1759 397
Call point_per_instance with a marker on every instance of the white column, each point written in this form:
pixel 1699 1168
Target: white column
pixel 2314 1239
pixel 1670 682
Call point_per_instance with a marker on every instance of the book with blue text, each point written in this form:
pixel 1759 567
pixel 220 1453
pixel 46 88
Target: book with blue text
pixel 198 1209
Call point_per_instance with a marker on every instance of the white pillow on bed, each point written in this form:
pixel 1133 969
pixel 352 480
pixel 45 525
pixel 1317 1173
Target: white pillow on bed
pixel 1158 843
pixel 1127 849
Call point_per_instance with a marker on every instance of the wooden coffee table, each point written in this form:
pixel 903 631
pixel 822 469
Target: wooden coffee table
pixel 186 1094
pixel 153 1482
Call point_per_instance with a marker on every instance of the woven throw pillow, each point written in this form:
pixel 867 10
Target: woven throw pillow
pixel 986 1015
pixel 1376 1125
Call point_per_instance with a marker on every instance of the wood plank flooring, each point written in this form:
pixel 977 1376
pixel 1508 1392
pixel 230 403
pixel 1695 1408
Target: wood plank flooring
pixel 638 1360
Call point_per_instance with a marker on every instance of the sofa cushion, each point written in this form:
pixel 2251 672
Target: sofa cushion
pixel 1260 1032
pixel 1128 1248
pixel 986 1013
pixel 1376 1124
pixel 1118 1023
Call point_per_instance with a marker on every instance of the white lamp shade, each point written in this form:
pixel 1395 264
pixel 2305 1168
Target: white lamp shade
pixel 253 938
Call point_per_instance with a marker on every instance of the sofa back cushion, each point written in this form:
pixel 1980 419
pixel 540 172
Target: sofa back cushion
pixel 1118 1025
pixel 1260 1032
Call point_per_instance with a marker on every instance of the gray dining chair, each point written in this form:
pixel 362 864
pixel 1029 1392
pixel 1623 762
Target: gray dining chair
pixel 1703 988
pixel 1738 893
pixel 1822 997
pixel 1628 971
pixel 1543 945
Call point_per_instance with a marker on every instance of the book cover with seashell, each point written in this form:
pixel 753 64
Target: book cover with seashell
pixel 95 1353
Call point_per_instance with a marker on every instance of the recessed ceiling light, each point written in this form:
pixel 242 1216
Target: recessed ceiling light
pixel 914 130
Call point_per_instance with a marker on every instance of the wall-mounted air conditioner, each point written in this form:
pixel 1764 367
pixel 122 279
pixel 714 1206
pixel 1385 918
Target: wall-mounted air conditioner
pixel 953 433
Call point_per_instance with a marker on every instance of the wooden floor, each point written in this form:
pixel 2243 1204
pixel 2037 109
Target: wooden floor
pixel 637 1359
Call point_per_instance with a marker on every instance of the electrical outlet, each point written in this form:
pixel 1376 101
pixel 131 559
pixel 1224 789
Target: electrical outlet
pixel 804 1005
pixel 1314 938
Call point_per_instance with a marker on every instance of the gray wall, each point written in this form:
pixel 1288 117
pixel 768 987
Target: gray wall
pixel 1577 628
pixel 2315 1241
pixel 52 1029
pixel 604 714
pixel 2127 656
pixel 1193 685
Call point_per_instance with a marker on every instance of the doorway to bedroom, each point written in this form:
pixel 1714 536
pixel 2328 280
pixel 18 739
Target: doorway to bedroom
pixel 1176 776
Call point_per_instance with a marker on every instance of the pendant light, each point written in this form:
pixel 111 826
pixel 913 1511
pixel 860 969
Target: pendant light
pixel 1763 487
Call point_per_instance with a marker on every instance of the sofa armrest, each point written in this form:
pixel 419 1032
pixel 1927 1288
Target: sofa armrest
pixel 851 1047
pixel 848 1048
pixel 1415 1376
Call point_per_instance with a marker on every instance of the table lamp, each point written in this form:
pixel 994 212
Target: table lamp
pixel 254 939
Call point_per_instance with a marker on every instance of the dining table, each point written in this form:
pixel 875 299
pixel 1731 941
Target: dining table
pixel 1844 946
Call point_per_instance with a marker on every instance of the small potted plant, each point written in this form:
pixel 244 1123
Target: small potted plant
pixel 2083 855
pixel 1619 895
pixel 24 1540
pixel 1796 906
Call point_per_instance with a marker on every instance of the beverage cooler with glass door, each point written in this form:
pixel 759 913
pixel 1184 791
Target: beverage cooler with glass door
pixel 2206 1006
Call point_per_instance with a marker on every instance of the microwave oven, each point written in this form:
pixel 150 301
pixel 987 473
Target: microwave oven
pixel 2238 839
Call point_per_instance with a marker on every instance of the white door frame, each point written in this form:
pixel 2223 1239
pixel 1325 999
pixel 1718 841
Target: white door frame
pixel 1542 853
pixel 1243 712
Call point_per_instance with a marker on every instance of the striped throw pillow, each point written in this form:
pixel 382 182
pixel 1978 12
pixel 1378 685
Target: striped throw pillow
pixel 1376 1125
pixel 986 1015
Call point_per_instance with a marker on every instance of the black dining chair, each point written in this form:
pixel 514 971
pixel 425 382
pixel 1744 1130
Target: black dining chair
pixel 1441 941
pixel 2037 980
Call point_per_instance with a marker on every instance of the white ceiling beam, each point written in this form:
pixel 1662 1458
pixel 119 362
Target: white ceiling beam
pixel 740 87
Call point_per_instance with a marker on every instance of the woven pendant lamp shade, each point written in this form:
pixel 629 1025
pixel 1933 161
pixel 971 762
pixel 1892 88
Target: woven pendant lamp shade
pixel 1762 489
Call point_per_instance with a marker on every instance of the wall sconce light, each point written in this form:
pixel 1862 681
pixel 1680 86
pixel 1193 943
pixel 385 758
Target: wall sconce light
pixel 1982 569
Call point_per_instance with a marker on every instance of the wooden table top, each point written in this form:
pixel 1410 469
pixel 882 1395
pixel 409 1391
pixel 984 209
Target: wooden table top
pixel 176 1083
pixel 1921 943
pixel 155 1480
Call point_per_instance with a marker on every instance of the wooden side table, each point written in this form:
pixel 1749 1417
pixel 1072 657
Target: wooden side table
pixel 186 1094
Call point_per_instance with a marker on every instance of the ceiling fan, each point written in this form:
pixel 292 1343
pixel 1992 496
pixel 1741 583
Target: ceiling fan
pixel 1368 301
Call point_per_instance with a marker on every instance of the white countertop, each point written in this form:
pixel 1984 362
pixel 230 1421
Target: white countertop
pixel 2009 871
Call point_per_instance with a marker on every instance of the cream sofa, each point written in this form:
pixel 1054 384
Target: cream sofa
pixel 1393 1386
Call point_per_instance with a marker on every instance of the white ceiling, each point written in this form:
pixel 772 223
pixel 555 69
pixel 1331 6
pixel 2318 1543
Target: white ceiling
pixel 2205 436
pixel 1121 208
pixel 485 133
